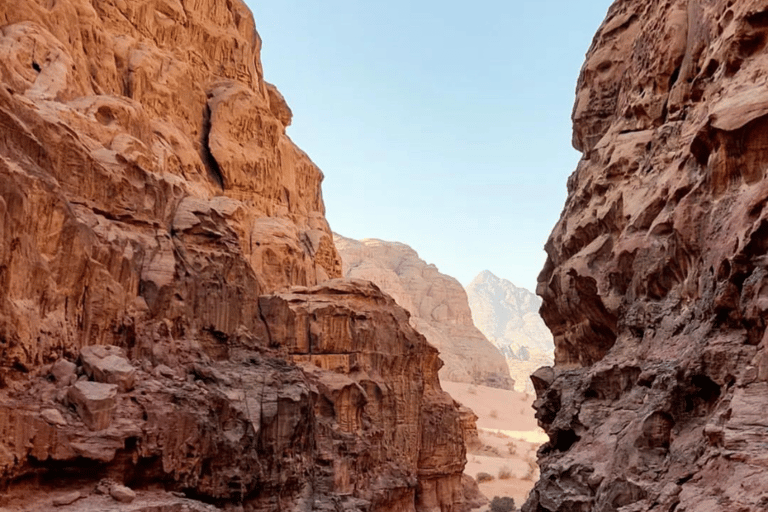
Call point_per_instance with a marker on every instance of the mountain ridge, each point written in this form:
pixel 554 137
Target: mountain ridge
pixel 508 315
pixel 437 303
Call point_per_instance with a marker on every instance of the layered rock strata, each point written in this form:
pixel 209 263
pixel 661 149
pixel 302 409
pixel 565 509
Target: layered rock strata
pixel 509 317
pixel 655 286
pixel 341 408
pixel 152 208
pixel 437 303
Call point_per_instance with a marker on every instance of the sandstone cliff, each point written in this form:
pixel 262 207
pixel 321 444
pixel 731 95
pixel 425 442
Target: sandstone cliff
pixel 509 318
pixel 655 287
pixel 154 215
pixel 437 303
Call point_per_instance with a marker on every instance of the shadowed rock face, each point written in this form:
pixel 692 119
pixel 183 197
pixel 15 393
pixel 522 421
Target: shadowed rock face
pixel 151 203
pixel 655 287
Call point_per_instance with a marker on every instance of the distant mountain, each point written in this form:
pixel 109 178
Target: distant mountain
pixel 509 318
pixel 437 303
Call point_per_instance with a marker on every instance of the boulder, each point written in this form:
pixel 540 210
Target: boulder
pixel 64 372
pixel 107 364
pixel 122 493
pixel 94 401
pixel 66 499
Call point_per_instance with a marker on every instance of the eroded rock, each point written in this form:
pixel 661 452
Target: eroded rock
pixel 122 493
pixel 151 206
pixel 654 288
pixel 437 304
pixel 107 364
pixel 95 402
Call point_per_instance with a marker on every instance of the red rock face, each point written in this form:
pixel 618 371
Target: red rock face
pixel 655 286
pixel 152 203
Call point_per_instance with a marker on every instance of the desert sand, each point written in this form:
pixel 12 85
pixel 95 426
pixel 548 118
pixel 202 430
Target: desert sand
pixel 510 437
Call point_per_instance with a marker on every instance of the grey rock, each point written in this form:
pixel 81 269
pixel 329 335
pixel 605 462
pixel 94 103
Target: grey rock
pixel 509 316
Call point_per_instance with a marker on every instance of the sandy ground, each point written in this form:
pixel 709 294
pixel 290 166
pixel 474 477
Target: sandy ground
pixel 510 438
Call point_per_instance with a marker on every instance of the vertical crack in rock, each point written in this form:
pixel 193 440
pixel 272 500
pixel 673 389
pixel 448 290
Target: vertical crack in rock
pixel 214 171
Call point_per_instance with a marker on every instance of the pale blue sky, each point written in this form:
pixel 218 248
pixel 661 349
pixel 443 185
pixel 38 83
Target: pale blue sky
pixel 441 124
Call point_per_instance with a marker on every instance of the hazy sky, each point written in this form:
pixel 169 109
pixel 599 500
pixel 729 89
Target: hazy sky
pixel 441 124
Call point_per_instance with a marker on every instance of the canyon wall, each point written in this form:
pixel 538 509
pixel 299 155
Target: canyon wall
pixel 655 285
pixel 437 303
pixel 166 315
pixel 509 317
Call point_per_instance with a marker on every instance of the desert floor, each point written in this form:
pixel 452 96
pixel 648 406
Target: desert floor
pixel 510 438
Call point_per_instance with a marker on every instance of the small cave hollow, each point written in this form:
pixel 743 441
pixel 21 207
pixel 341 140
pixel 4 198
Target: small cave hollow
pixel 706 389
pixel 563 440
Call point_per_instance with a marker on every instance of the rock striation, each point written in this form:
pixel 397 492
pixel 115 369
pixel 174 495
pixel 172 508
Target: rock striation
pixel 655 285
pixel 437 303
pixel 509 317
pixel 162 322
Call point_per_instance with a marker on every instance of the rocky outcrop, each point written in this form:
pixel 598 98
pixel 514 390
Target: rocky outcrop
pixel 341 408
pixel 509 317
pixel 147 181
pixel 655 284
pixel 154 217
pixel 437 303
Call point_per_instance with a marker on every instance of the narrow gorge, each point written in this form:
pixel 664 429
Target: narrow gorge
pixel 178 331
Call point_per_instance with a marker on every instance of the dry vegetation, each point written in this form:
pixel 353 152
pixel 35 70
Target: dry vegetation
pixel 505 465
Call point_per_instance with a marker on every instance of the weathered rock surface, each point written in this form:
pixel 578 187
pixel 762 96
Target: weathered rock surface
pixel 655 286
pixel 94 402
pixel 437 303
pixel 151 206
pixel 341 407
pixel 108 364
pixel 146 181
pixel 509 317
pixel 122 494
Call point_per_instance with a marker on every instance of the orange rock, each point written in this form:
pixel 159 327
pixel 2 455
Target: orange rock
pixel 150 200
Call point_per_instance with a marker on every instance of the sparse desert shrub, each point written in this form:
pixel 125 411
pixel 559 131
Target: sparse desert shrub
pixel 472 390
pixel 505 473
pixel 531 474
pixel 483 477
pixel 505 504
pixel 494 414
pixel 511 448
